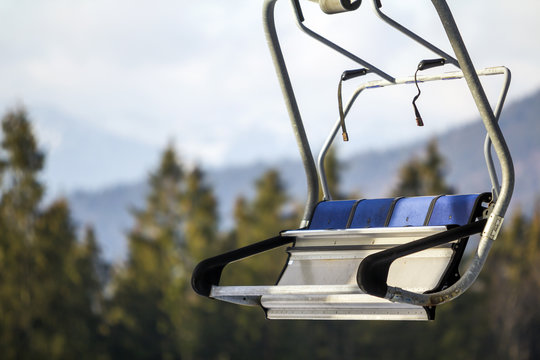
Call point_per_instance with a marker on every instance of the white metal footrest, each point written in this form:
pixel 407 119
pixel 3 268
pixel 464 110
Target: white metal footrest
pixel 331 302
pixel 320 279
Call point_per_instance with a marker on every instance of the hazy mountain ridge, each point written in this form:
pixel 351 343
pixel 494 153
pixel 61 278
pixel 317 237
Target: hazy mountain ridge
pixel 371 174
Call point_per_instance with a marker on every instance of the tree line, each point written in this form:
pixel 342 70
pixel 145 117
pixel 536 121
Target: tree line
pixel 60 300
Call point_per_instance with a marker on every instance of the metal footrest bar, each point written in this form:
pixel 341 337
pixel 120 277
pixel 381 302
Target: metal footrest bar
pixel 329 302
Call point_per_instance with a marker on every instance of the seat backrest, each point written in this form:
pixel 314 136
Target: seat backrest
pixel 398 212
pixel 411 211
pixel 371 213
pixel 331 215
pixel 456 209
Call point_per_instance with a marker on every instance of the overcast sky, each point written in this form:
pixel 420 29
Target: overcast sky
pixel 199 72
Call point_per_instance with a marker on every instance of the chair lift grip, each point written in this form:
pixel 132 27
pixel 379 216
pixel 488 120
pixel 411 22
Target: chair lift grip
pixel 208 272
pixel 372 273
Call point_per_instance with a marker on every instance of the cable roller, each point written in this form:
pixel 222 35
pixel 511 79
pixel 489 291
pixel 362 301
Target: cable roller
pixel 338 6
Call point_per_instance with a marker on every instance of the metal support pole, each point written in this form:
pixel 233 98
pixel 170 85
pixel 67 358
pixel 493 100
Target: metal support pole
pixel 482 103
pixel 292 108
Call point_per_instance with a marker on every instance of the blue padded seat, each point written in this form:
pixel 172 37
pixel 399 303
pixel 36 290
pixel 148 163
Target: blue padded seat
pixel 399 212
pixel 371 213
pixel 453 210
pixel 411 211
pixel 331 215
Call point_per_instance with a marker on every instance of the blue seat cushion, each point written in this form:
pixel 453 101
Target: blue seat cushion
pixel 453 210
pixel 371 213
pixel 331 215
pixel 399 212
pixel 410 211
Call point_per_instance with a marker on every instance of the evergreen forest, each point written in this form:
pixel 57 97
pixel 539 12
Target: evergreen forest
pixel 60 300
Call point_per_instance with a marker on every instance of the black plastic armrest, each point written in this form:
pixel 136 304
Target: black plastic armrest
pixel 372 273
pixel 208 272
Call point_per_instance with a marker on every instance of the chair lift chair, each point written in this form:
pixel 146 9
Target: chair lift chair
pixel 375 259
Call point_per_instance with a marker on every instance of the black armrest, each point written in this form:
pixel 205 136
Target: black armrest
pixel 372 273
pixel 208 272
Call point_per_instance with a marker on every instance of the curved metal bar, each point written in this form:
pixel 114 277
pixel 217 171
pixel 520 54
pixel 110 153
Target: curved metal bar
pixel 292 108
pixel 342 51
pixel 326 146
pixel 487 143
pixel 409 80
pixel 407 32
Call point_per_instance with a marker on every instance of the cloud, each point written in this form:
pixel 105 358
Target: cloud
pixel 200 72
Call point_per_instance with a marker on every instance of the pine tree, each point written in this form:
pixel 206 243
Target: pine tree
pixel 259 219
pixel 94 274
pixel 149 287
pixel 246 330
pixel 513 277
pixel 434 171
pixel 45 313
pixel 423 176
pixel 198 315
pixel 201 220
pixel 21 194
pixel 410 179
pixel 65 294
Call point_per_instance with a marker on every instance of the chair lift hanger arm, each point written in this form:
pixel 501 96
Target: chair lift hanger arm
pixel 487 143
